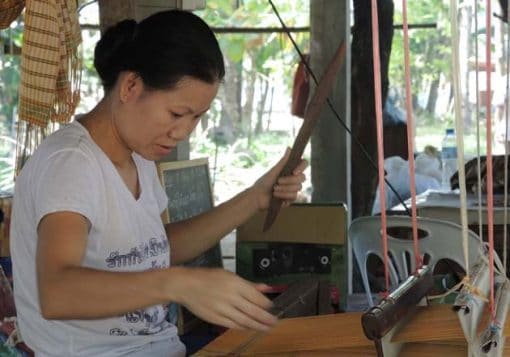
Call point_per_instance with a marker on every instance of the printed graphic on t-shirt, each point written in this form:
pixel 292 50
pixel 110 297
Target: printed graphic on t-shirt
pixel 140 254
pixel 146 321
pixel 153 254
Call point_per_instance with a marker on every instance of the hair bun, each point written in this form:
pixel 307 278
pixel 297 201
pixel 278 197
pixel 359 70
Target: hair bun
pixel 111 49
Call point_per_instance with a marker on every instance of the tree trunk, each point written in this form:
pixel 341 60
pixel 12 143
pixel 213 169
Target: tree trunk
pixel 363 112
pixel 261 105
pixel 248 106
pixel 231 104
pixel 432 98
pixel 270 109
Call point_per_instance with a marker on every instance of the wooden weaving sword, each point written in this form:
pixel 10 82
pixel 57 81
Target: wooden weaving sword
pixel 311 117
pixel 298 297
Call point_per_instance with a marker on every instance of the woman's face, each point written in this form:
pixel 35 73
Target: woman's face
pixel 152 122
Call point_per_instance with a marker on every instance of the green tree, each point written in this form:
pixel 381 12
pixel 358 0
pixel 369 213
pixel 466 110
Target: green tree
pixel 253 60
pixel 430 51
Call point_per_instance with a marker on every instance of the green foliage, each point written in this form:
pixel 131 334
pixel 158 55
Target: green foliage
pixel 9 81
pixel 430 49
pixel 261 151
pixel 7 158
pixel 259 46
pixel 10 40
pixel 263 56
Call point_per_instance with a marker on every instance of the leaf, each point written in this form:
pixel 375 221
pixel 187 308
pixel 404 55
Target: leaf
pixel 235 50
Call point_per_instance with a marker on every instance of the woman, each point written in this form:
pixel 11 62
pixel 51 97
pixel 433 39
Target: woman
pixel 94 267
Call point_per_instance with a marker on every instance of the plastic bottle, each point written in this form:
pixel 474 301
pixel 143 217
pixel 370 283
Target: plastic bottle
pixel 448 158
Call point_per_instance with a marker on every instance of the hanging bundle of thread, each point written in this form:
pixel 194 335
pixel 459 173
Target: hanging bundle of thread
pixel 50 66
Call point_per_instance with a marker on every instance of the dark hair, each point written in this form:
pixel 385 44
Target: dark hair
pixel 161 49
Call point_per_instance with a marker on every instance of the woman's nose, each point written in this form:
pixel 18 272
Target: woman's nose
pixel 182 129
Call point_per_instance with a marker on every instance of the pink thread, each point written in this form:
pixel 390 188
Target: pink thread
pixel 380 142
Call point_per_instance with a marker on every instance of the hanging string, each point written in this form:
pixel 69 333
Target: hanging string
pixel 477 116
pixel 490 197
pixel 410 138
pixel 459 127
pixel 505 195
pixel 380 140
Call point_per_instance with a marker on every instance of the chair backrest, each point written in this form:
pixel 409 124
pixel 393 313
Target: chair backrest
pixel 438 239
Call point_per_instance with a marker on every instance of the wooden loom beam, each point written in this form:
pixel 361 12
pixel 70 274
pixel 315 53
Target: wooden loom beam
pixel 435 326
pixel 400 304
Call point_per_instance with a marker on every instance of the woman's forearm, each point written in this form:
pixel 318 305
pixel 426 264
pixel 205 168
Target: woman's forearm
pixel 83 293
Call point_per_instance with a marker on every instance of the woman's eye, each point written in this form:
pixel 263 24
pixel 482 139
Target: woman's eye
pixel 176 115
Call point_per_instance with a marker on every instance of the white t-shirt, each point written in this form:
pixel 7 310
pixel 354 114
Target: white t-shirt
pixel 69 172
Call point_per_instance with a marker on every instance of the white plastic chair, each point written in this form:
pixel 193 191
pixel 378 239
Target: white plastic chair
pixel 439 240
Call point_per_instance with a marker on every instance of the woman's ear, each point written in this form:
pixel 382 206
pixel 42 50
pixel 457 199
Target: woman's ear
pixel 130 86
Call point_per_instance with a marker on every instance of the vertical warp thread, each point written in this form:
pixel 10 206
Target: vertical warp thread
pixel 410 138
pixel 459 127
pixel 380 143
pixel 490 193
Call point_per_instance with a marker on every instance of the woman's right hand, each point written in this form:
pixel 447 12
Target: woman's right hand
pixel 223 298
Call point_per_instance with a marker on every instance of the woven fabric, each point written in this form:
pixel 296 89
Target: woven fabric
pixel 50 62
pixel 9 11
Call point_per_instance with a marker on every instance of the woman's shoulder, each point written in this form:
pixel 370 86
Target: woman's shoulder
pixel 72 138
pixel 70 135
pixel 70 144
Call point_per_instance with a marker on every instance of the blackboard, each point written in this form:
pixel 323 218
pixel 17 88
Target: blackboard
pixel 188 187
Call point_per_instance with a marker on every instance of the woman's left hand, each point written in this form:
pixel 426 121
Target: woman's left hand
pixel 285 188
